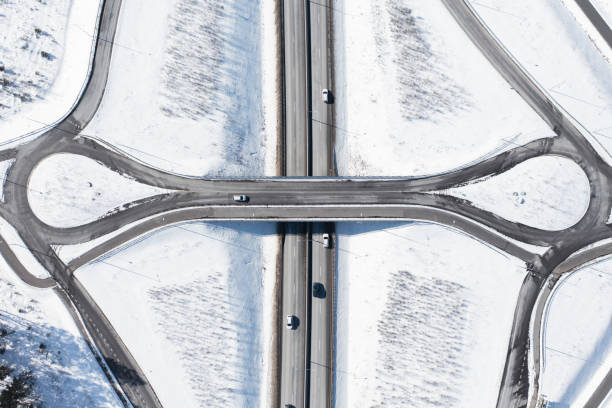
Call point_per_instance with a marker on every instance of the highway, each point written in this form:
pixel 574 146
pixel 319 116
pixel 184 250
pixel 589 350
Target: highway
pixel 295 79
pixel 321 78
pixel 322 258
pixel 308 142
pixel 295 271
pixel 295 249
pixel 322 302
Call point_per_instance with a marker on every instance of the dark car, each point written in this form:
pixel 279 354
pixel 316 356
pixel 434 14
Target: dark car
pixel 318 290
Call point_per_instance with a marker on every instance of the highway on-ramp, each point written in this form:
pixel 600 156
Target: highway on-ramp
pixel 514 388
pixel 126 371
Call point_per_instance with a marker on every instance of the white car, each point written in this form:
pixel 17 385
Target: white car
pixel 241 198
pixel 325 95
pixel 291 322
pixel 326 240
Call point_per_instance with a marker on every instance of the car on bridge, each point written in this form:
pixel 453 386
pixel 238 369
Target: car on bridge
pixel 241 198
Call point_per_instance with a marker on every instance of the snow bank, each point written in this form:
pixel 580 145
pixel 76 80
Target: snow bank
pixel 548 41
pixel 192 303
pixel 577 334
pixel 66 372
pixel 589 29
pixel 198 78
pixel 414 96
pixel 57 78
pixel 547 192
pixel 424 315
pixel 604 7
pixel 67 190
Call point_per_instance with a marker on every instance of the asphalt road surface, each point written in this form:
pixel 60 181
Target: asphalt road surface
pixel 322 259
pixel 416 213
pixel 312 200
pixel 293 346
pixel 321 78
pixel 293 380
pixel 295 79
pixel 321 332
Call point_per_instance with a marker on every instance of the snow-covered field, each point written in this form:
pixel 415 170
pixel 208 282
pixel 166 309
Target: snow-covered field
pixel 193 303
pixel 589 29
pixel 423 316
pixel 547 192
pixel 45 52
pixel 67 190
pixel 31 38
pixel 548 41
pixel 578 335
pixel 66 373
pixel 199 79
pixel 414 96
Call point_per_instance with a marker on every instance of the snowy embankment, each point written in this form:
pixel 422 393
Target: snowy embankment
pixel 424 315
pixel 577 330
pixel 604 7
pixel 45 53
pixel 193 303
pixel 551 45
pixel 414 96
pixel 42 337
pixel 589 29
pixel 67 190
pixel 198 79
pixel 547 192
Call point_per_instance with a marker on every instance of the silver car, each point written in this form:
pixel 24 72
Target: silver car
pixel 326 240
pixel 325 95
